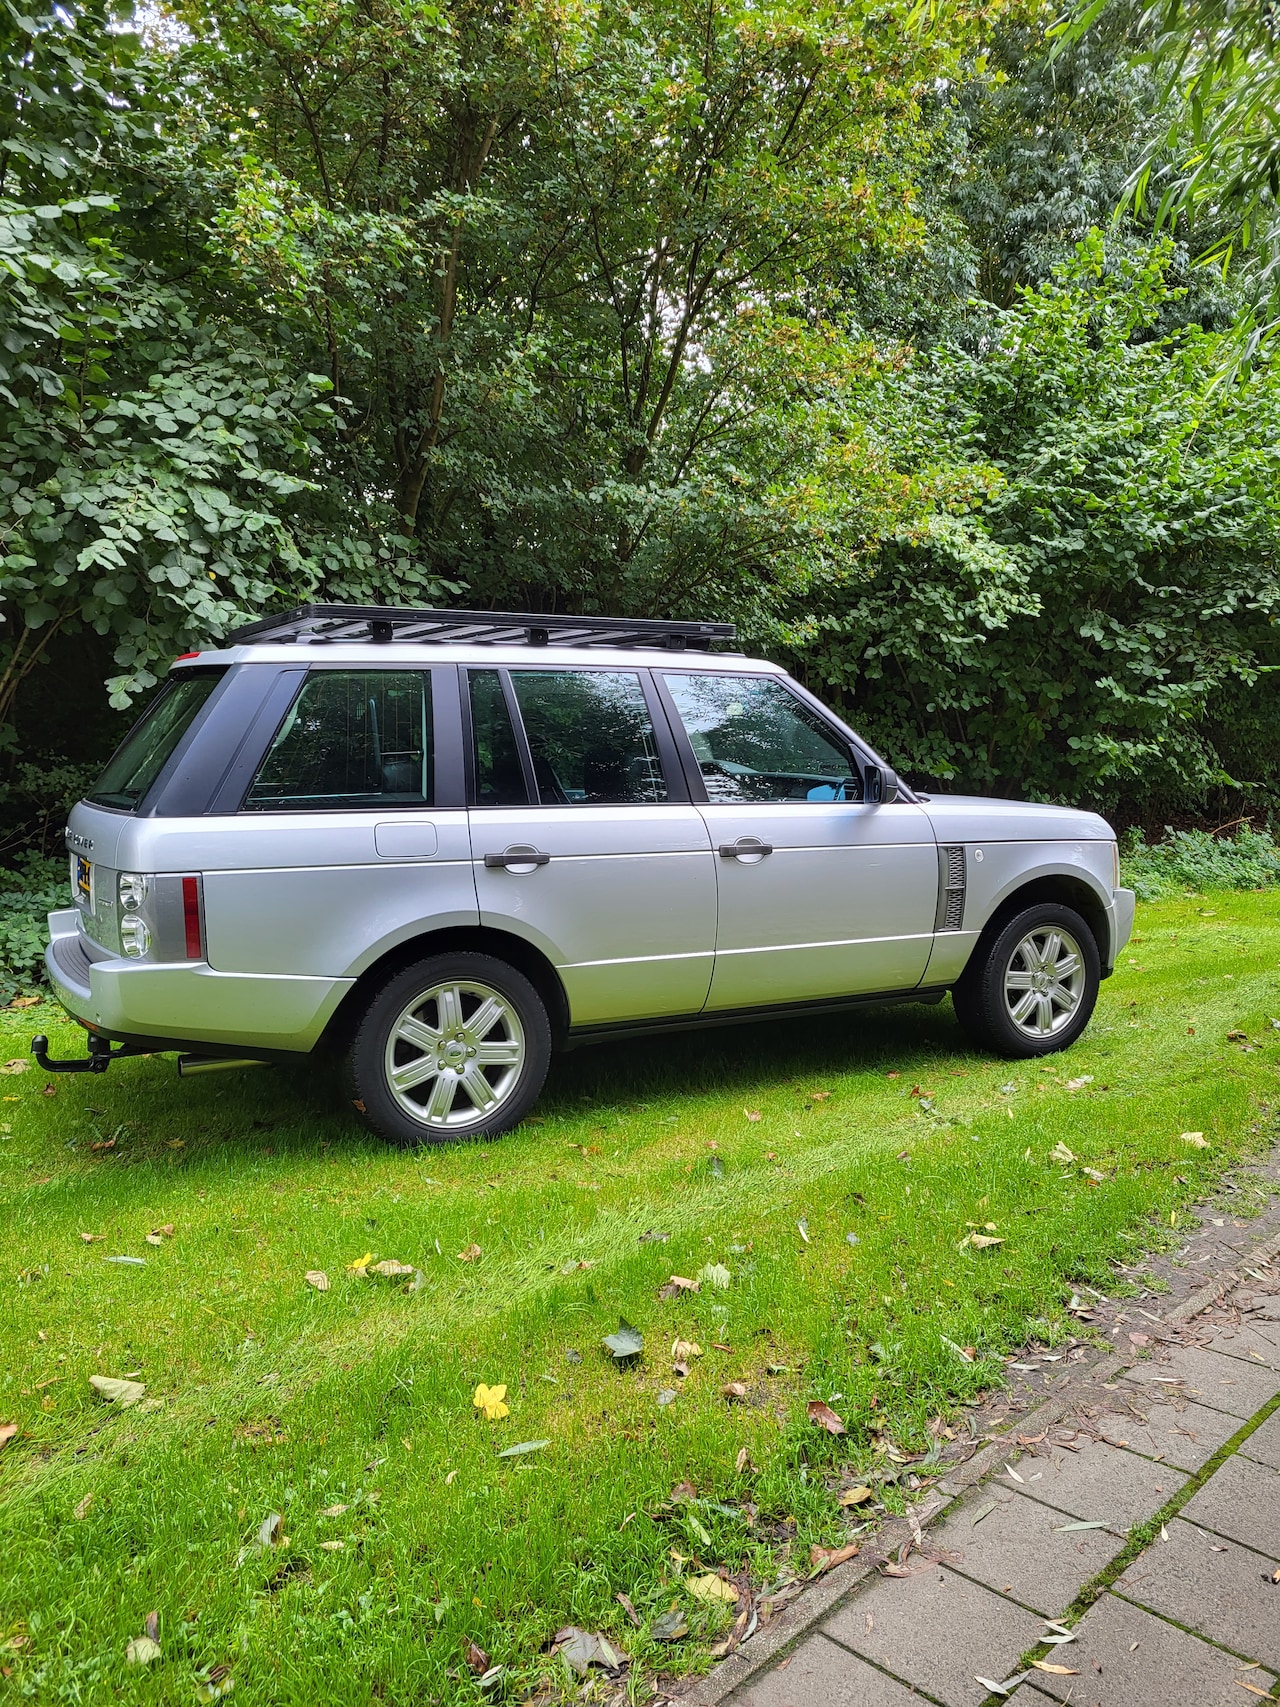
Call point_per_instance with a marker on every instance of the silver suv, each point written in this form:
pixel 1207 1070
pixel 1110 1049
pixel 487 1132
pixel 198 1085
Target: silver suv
pixel 443 843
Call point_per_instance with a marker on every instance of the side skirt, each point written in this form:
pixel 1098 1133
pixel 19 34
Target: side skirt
pixel 580 1038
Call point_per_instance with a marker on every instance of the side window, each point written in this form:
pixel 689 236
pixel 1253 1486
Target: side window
pixel 754 740
pixel 352 738
pixel 499 774
pixel 590 736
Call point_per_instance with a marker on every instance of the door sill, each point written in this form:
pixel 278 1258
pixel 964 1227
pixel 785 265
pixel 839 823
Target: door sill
pixel 580 1036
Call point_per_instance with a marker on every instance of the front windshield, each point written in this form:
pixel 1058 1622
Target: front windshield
pixel 148 746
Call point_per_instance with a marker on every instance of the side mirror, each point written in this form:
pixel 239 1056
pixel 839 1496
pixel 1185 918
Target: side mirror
pixel 881 785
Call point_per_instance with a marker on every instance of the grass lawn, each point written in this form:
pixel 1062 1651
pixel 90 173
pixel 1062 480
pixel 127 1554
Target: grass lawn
pixel 799 1156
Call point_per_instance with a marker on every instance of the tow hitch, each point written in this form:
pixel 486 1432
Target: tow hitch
pixel 99 1058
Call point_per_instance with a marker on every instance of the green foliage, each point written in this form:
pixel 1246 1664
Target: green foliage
pixel 35 888
pixel 1197 860
pixel 1113 580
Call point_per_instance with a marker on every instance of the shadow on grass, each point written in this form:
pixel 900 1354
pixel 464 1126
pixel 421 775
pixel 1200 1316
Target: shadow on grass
pixel 269 1116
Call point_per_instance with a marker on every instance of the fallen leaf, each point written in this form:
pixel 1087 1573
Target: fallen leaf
pixel 7 1432
pixel 678 1284
pixel 1080 1083
pixel 360 1264
pixel 490 1400
pixel 853 1496
pixel 128 1262
pixel 683 1492
pixel 802 1227
pixel 654 1238
pixel 142 1651
pixel 668 1395
pixel 1140 1339
pixel 82 1510
pixel 625 1603
pixel 1061 1528
pixel 271 1530
pixel 390 1268
pixel 823 1558
pixel 103 1144
pixel 318 1278
pixel 93 1238
pixel 669 1626
pixel 627 1343
pixel 20 1065
pixel 215 1683
pixel 334 1510
pixel 519 1450
pixel 153 1239
pixel 742 1463
pixel 151 1625
pixel 734 1390
pixel 332 1546
pixel 165 1232
pixel 712 1588
pixel 1058 1671
pixel 476 1658
pixel 825 1417
pixel 1060 1153
pixel 1254 1690
pixel 751 1113
pixel 26 1002
pixel 470 1253
pixel 1197 1140
pixel 582 1649
pixel 980 1241
pixel 682 1350
pixel 715 1274
pixel 122 1393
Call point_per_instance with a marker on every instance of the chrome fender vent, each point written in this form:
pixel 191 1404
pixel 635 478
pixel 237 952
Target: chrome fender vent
pixel 951 870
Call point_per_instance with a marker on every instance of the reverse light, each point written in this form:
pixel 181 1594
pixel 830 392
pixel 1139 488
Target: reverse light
pixel 133 889
pixel 135 938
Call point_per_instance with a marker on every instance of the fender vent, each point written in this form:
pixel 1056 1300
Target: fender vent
pixel 950 889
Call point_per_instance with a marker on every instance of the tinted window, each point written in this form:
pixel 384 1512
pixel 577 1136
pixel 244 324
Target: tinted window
pixel 149 744
pixel 590 735
pixel 499 774
pixel 754 740
pixel 352 738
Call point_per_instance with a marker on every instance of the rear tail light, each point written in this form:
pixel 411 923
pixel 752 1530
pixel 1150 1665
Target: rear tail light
pixel 191 918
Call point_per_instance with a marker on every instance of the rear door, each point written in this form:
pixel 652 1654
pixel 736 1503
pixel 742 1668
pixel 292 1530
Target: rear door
pixel 820 894
pixel 585 841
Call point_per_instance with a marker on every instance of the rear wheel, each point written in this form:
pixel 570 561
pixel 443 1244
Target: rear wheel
pixel 1030 990
pixel 455 1046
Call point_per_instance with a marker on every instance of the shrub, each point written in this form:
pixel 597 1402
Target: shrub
pixel 35 887
pixel 1198 859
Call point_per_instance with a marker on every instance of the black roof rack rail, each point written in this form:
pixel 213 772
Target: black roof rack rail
pixel 328 624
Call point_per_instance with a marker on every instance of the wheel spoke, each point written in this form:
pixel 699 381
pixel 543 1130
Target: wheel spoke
pixel 502 1052
pixel 418 1034
pixel 449 1001
pixel 1022 1010
pixel 413 1073
pixel 1016 980
pixel 1051 950
pixel 477 1087
pixel 441 1099
pixel 484 1019
pixel 1060 994
pixel 1044 1018
pixel 1064 968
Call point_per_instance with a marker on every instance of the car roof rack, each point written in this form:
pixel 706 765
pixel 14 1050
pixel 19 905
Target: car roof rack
pixel 319 625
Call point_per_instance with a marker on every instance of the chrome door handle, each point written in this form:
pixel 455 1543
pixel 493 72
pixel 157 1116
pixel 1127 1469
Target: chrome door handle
pixel 745 847
pixel 516 857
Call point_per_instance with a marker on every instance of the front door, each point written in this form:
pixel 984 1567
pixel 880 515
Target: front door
pixel 583 844
pixel 820 894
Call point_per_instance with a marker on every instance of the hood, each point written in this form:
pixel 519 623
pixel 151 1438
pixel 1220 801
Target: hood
pixel 974 818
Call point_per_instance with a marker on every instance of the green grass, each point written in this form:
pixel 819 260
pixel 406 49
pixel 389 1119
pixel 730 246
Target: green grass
pixel 265 1395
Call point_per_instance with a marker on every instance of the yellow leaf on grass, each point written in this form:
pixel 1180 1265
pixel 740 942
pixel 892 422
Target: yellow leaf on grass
pixel 712 1589
pixel 360 1264
pixel 853 1496
pixel 490 1400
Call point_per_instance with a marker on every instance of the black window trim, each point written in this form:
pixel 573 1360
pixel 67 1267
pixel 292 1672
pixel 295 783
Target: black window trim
pixel 151 803
pixel 670 757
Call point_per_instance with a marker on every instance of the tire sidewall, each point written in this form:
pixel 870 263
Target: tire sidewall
pixel 370 1093
pixel 988 989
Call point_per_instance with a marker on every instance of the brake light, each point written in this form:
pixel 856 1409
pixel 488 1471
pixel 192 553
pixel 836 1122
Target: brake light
pixel 191 918
pixel 182 656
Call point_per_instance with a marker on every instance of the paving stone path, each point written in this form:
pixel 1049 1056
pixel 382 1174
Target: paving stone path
pixel 1143 1519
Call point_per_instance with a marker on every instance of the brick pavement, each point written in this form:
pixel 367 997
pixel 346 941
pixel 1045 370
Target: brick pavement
pixel 1171 1595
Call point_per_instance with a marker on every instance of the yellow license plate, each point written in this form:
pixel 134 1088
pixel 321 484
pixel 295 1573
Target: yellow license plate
pixel 84 884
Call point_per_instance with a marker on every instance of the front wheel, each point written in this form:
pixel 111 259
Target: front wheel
pixel 1031 989
pixel 455 1046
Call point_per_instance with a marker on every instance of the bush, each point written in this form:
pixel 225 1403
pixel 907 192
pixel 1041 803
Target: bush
pixel 1197 859
pixel 36 887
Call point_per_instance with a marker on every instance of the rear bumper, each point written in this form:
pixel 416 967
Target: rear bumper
pixel 190 1003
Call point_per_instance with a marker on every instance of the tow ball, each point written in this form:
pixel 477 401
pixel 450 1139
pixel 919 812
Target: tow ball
pixel 99 1058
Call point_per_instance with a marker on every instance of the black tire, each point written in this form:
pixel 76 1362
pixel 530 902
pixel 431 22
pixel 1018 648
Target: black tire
pixel 444 1051
pixel 985 1006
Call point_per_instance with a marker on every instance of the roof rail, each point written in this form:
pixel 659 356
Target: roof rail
pixel 319 625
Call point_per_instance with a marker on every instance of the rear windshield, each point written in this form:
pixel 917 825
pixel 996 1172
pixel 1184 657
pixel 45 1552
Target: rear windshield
pixel 151 742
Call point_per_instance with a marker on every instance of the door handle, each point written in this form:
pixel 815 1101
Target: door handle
pixel 516 857
pixel 746 847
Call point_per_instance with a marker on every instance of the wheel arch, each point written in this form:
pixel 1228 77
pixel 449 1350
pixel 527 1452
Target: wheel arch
pixel 1068 889
pixel 472 939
